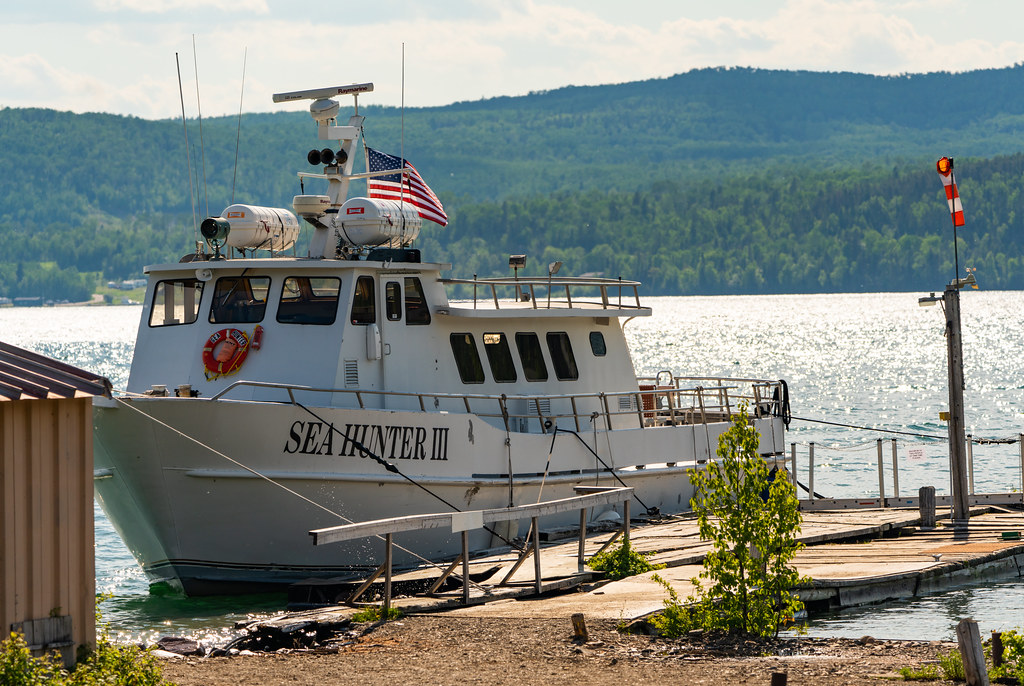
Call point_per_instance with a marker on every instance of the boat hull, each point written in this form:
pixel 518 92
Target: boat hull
pixel 219 496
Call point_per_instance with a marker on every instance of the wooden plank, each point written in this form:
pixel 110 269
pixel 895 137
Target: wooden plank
pixel 380 527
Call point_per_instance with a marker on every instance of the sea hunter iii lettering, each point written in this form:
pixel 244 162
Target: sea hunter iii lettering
pixel 391 442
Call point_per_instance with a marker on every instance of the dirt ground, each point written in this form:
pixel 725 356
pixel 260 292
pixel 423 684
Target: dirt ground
pixel 432 649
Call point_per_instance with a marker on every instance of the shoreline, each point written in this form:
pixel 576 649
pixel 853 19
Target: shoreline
pixel 474 650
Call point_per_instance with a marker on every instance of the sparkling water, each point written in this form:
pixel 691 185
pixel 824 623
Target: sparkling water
pixel 873 360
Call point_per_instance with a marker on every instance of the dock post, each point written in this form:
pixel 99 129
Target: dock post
pixel 387 577
pixel 625 522
pixel 881 474
pixel 465 567
pixel 970 464
pixel 968 637
pixel 792 463
pixel 581 561
pixel 895 471
pixel 810 473
pixel 926 505
pixel 1020 443
pixel 536 557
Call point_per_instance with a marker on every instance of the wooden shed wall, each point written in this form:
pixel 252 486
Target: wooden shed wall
pixel 47 564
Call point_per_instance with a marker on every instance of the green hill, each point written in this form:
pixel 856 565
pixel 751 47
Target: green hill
pixel 717 180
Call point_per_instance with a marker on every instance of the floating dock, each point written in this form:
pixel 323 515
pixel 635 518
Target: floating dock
pixel 854 557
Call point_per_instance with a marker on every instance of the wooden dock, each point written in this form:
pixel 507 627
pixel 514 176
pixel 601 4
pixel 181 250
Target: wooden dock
pixel 853 556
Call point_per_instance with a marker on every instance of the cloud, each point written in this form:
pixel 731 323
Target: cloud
pixel 32 79
pixel 166 6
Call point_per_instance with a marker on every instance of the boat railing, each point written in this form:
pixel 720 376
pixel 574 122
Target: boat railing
pixel 649 406
pixel 550 292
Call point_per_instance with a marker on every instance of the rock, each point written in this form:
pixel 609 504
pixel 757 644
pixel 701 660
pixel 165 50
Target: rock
pixel 180 646
pixel 166 654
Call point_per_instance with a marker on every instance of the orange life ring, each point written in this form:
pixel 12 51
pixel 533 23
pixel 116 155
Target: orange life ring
pixel 225 352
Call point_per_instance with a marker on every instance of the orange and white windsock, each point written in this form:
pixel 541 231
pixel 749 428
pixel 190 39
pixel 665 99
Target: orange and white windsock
pixel 945 168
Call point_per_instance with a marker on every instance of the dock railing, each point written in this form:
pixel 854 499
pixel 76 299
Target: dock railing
pixel 886 454
pixel 464 522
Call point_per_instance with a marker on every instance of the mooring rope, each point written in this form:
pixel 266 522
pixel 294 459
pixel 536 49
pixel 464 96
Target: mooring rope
pixel 285 488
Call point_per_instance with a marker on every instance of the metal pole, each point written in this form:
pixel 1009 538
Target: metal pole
pixel 970 463
pixel 792 462
pixel 810 473
pixel 537 578
pixel 387 577
pixel 1020 444
pixel 957 439
pixel 895 471
pixel 580 563
pixel 465 567
pixel 625 522
pixel 881 474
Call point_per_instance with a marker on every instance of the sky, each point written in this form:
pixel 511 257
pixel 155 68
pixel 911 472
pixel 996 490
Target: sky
pixel 118 56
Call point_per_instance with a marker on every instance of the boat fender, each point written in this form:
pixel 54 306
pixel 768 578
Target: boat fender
pixel 224 353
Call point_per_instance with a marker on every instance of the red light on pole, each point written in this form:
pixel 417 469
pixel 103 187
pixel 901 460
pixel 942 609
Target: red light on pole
pixel 944 166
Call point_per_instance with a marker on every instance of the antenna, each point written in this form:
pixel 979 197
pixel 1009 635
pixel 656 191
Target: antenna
pixel 238 136
pixel 199 106
pixel 402 178
pixel 188 158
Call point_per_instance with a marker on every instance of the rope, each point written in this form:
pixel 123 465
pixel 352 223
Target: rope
pixel 388 466
pixel 283 487
pixel 650 510
pixel 979 441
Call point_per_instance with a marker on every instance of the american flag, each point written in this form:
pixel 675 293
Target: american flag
pixel 416 192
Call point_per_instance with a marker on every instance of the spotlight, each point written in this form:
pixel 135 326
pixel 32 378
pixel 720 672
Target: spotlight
pixel 313 157
pixel 327 156
pixel 341 157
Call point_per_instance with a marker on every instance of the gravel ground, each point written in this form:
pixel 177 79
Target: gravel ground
pixel 432 649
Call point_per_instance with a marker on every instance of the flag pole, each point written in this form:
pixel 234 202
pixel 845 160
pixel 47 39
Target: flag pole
pixel 952 216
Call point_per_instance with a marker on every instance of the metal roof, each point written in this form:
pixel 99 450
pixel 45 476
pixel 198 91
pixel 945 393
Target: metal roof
pixel 25 375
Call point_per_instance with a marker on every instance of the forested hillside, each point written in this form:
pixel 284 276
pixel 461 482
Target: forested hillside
pixel 717 180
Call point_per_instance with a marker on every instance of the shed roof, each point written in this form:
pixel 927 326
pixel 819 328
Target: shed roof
pixel 25 375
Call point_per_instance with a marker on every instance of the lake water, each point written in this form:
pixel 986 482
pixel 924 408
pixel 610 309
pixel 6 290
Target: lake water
pixel 867 360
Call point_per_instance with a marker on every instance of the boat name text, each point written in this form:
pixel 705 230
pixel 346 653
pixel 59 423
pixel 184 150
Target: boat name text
pixel 392 442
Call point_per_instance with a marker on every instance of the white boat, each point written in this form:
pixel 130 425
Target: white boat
pixel 272 394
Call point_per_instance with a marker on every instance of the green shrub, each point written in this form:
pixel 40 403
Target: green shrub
pixel 1012 669
pixel 676 619
pixel 952 665
pixel 752 524
pixel 925 673
pixel 19 668
pixel 621 562
pixel 107 665
pixel 373 614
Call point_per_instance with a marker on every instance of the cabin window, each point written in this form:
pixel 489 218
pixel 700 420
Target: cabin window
pixel 597 345
pixel 309 300
pixel 239 299
pixel 561 356
pixel 499 357
pixel 531 356
pixel 176 301
pixel 364 305
pixel 393 301
pixel 467 359
pixel 416 310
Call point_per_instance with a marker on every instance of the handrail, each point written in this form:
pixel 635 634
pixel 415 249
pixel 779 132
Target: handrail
pixel 651 406
pixel 464 522
pixel 526 290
